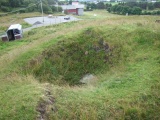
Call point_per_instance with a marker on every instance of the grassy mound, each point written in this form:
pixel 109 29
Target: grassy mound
pixel 125 52
pixel 69 60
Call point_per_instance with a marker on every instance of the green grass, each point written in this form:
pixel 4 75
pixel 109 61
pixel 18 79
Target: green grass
pixel 127 90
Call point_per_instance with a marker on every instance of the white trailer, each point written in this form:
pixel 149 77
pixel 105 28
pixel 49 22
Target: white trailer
pixel 14 32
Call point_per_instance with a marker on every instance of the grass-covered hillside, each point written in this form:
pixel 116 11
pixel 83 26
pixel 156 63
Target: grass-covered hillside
pixel 40 74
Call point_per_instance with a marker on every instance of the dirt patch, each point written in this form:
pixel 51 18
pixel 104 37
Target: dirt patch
pixel 46 105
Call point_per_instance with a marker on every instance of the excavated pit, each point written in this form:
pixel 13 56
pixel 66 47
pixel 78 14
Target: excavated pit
pixel 72 58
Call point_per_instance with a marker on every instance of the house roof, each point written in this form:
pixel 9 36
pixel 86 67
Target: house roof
pixel 15 26
pixel 64 7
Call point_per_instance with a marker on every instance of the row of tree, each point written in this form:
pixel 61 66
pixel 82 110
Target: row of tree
pixel 100 5
pixel 119 9
pixel 30 5
pixel 130 8
pixel 142 5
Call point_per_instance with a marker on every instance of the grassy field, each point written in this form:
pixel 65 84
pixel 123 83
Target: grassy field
pixel 127 84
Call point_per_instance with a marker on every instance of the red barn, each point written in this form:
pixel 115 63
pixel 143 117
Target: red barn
pixel 73 9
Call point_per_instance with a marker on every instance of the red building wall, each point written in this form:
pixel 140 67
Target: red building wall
pixel 72 11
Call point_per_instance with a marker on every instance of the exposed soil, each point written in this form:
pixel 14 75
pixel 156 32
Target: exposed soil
pixel 46 105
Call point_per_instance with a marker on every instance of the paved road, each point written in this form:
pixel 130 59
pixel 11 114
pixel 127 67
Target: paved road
pixel 45 21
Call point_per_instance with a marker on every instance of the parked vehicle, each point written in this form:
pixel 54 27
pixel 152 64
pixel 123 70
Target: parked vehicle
pixel 14 32
pixel 66 18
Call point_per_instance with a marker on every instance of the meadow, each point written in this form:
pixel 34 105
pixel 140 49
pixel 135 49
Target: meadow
pixel 40 74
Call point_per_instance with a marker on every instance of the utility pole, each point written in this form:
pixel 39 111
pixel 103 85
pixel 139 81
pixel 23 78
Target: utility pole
pixel 57 5
pixel 42 10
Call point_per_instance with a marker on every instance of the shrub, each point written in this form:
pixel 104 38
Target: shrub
pixel 5 9
pixel 49 12
pixel 22 11
pixel 158 12
pixel 136 11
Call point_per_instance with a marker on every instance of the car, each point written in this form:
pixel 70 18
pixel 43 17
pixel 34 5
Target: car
pixel 66 18
pixel 50 16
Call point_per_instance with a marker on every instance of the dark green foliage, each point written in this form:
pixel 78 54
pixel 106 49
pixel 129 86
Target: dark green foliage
pixel 93 6
pixel 143 5
pixel 135 8
pixel 5 9
pixel 126 9
pixel 136 11
pixel 131 4
pixel 120 9
pixel 70 2
pixel 100 5
pixel 7 6
pixel 108 5
pixel 150 6
pixel 157 4
pixel 60 9
pixel 22 11
pixel 55 9
pixel 46 8
pixel 31 7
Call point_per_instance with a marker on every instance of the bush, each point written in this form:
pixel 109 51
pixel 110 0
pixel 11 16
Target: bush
pixel 125 10
pixel 49 12
pixel 5 9
pixel 22 11
pixel 136 11
pixel 88 10
pixel 109 9
pixel 158 12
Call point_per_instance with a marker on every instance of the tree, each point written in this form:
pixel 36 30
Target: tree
pixel 60 9
pixel 150 6
pixel 100 5
pixel 31 7
pixel 88 6
pixel 93 6
pixel 119 9
pixel 113 8
pixel 143 5
pixel 109 9
pixel 136 11
pixel 125 10
pixel 70 2
pixel 131 4
pixel 108 5
pixel 157 4
pixel 46 8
